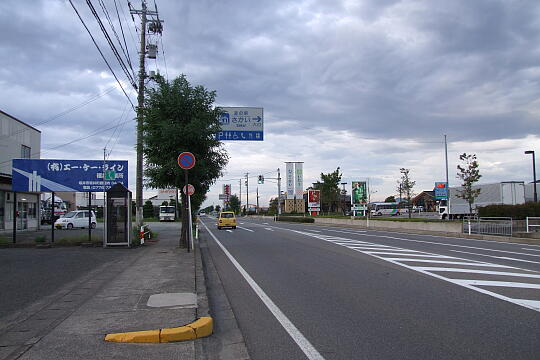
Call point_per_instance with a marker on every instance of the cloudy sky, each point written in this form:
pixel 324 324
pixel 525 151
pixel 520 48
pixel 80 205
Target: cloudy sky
pixel 369 85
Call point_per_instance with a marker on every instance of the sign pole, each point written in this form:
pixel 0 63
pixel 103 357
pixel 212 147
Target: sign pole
pixel 186 207
pixel 52 217
pixel 14 217
pixel 90 217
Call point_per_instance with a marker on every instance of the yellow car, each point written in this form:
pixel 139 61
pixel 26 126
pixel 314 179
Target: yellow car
pixel 226 219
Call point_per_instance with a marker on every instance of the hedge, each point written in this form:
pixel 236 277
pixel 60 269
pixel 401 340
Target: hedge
pixel 516 212
pixel 296 219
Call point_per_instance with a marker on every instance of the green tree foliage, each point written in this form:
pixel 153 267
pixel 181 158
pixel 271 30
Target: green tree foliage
pixel 218 208
pixel 469 174
pixel 148 209
pixel 407 185
pixel 329 187
pixel 234 204
pixel 180 117
pixel 165 203
pixel 272 208
pixel 208 209
pixel 391 198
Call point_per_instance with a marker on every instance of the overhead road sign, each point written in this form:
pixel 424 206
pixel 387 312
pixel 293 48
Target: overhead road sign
pixel 241 124
pixel 186 160
pixel 48 175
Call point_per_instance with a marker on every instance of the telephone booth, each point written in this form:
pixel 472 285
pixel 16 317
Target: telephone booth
pixel 118 217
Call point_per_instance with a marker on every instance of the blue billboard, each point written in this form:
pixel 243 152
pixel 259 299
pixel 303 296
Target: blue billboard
pixel 47 175
pixel 441 190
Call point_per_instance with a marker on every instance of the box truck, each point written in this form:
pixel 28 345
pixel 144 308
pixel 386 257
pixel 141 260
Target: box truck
pixel 502 193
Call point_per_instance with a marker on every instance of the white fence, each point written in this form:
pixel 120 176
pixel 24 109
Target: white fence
pixel 488 225
pixel 532 224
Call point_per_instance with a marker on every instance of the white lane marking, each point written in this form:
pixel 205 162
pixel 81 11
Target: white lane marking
pixel 315 231
pixel 243 228
pixel 405 254
pixel 474 271
pixel 533 303
pixel 496 257
pixel 499 283
pixel 265 223
pixel 530 249
pixel 459 282
pixel 304 344
pixel 229 230
pixel 268 229
pixel 451 262
pixel 348 232
pixel 461 246
pixel 456 238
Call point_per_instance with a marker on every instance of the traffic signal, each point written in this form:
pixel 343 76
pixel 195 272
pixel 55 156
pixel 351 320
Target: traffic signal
pixel 261 179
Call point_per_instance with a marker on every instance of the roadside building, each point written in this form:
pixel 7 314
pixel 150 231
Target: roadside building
pixel 426 200
pixel 18 140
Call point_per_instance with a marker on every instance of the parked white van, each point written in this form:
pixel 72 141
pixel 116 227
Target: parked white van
pixel 75 219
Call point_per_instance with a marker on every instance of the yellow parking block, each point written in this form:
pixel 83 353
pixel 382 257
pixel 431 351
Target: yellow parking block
pixel 202 326
pixel 147 336
pixel 180 333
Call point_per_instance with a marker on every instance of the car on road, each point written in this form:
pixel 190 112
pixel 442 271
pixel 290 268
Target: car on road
pixel 226 219
pixel 75 219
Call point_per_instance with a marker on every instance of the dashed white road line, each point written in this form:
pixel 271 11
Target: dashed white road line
pixel 269 229
pixel 228 230
pixel 495 257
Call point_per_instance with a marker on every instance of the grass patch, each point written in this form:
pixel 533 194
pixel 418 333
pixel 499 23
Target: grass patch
pixel 296 219
pixel 39 239
pixel 4 240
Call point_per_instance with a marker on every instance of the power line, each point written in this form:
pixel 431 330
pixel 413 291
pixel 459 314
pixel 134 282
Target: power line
pixel 101 53
pixel 111 44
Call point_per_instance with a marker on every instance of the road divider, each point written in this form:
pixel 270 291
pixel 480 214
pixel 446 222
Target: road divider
pixel 201 327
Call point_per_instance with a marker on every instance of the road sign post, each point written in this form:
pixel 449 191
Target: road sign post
pixel 186 161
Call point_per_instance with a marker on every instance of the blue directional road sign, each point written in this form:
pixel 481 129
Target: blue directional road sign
pixel 241 124
pixel 36 175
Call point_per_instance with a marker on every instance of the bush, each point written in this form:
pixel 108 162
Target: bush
pixel 516 212
pixel 296 219
pixel 39 239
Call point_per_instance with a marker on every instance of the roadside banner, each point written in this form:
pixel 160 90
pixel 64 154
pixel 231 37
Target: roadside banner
pixel 289 174
pixel 359 193
pixel 314 200
pixel 299 180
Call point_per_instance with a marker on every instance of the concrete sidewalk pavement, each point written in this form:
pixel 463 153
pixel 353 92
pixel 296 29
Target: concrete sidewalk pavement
pixel 119 297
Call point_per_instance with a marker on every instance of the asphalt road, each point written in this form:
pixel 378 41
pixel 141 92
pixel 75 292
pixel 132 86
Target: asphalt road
pixel 304 291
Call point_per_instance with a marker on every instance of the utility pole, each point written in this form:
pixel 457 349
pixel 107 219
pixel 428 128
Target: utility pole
pixel 278 192
pixel 240 198
pixel 247 193
pixel 257 209
pixel 156 28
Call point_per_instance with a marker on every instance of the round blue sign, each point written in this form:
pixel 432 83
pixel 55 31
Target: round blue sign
pixel 186 160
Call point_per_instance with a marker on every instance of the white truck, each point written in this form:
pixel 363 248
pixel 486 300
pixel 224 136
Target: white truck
pixel 166 213
pixel 502 193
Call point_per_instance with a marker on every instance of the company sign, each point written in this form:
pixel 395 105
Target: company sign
pixel 241 124
pixel 289 178
pixel 299 180
pixel 441 190
pixel 36 175
pixel 359 193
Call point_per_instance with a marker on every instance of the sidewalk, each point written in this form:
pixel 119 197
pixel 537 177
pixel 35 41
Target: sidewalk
pixel 115 299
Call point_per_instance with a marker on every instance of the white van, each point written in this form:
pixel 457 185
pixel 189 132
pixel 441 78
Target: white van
pixel 75 219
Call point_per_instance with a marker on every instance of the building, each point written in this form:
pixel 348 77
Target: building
pixel 18 140
pixel 164 195
pixel 426 199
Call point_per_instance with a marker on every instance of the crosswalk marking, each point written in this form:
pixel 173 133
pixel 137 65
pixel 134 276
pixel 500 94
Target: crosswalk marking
pixel 403 257
pixel 243 228
pixel 269 229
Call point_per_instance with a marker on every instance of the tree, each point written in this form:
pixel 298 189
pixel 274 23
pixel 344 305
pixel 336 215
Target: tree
pixel 234 204
pixel 406 186
pixel 165 203
pixel 391 198
pixel 148 209
pixel 329 187
pixel 179 117
pixel 272 207
pixel 218 208
pixel 469 174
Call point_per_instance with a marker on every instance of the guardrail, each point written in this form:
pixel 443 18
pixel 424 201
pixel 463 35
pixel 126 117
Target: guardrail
pixel 532 223
pixel 488 225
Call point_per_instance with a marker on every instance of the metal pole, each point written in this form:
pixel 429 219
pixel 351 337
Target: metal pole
pixel 240 199
pixel 369 200
pixel 534 179
pixel 104 204
pixel 247 193
pixel 176 205
pixel 185 218
pixel 52 217
pixel 90 217
pixel 446 159
pixel 257 209
pixel 279 193
pixel 14 217
pixel 140 107
pixel 190 232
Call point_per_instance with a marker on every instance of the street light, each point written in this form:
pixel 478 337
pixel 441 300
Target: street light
pixel 534 174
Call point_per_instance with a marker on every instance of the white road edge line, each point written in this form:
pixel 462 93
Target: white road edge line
pixel 304 344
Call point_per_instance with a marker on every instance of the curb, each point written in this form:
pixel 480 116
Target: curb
pixel 200 328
